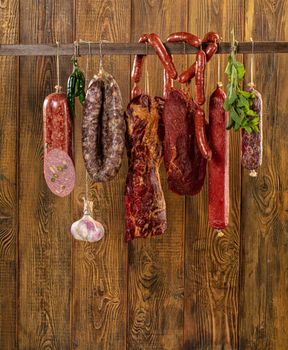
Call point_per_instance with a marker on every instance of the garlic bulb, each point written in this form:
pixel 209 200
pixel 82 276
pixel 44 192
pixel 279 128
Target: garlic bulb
pixel 87 229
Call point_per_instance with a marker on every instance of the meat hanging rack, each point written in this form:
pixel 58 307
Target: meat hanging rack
pixel 135 48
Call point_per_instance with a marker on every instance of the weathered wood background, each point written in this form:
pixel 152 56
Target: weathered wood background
pixel 186 290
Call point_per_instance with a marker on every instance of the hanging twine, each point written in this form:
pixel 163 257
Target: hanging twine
pixel 147 88
pixel 58 87
pixel 252 62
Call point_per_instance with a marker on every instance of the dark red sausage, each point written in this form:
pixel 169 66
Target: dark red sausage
pixel 189 38
pixel 163 55
pixel 200 133
pixel 218 167
pixel 138 61
pixel 189 73
pixel 168 84
pixel 199 77
pixel 211 37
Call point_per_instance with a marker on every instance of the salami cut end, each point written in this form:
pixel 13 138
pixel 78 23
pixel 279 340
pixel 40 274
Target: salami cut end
pixel 59 172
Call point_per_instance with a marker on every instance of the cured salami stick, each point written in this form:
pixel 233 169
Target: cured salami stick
pixel 59 170
pixel 189 73
pixel 57 126
pixel 103 128
pixel 218 166
pixel 252 147
pixel 189 38
pixel 200 131
pixel 199 78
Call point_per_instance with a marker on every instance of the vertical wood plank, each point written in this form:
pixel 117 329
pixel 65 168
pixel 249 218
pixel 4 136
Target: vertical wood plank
pixel 44 219
pixel 156 278
pixel 9 34
pixel 264 222
pixel 100 269
pixel 212 262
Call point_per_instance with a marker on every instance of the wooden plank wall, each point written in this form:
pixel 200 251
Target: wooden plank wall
pixel 189 289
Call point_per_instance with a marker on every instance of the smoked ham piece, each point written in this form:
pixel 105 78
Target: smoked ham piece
pixel 145 208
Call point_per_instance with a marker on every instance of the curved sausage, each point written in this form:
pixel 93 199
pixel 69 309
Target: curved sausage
pixel 189 38
pixel 201 134
pixel 163 55
pixel 211 37
pixel 103 128
pixel 199 77
pixel 189 73
pixel 138 62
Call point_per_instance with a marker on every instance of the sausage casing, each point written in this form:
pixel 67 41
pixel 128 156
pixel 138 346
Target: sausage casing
pixel 103 128
pixel 218 166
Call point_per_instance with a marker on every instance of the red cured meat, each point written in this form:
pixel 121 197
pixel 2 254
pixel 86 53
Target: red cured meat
pixel 252 147
pixel 185 166
pixel 218 166
pixel 57 126
pixel 145 208
pixel 59 172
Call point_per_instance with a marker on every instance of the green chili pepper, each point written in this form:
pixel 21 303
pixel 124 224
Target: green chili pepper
pixel 75 87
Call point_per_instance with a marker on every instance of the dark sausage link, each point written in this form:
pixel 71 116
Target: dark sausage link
pixel 189 38
pixel 168 84
pixel 188 74
pixel 211 37
pixel 200 133
pixel 163 55
pixel 199 77
pixel 138 62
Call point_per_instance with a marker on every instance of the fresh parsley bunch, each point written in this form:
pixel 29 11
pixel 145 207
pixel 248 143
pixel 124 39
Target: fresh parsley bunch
pixel 239 102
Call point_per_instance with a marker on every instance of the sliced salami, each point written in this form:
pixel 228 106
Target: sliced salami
pixel 59 172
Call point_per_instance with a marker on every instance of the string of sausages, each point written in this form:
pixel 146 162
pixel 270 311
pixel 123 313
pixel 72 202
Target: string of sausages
pixel 171 127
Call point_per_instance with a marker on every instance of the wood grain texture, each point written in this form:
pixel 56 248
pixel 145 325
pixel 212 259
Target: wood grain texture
pixel 44 219
pixel 100 269
pixel 156 280
pixel 264 222
pixel 8 178
pixel 211 262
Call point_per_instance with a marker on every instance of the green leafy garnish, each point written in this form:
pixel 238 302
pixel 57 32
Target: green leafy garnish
pixel 238 102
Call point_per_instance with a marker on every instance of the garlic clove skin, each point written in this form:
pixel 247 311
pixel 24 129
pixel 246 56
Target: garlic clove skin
pixel 87 229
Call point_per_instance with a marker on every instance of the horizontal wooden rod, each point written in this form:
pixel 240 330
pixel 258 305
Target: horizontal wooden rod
pixel 135 48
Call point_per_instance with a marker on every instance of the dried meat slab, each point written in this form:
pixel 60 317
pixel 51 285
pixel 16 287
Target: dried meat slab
pixel 59 172
pixel 145 208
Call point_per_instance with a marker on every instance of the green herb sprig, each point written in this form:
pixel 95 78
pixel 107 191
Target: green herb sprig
pixel 239 102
